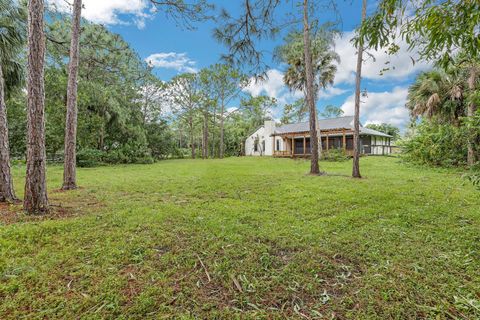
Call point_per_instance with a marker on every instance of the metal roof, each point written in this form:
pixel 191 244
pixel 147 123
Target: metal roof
pixel 328 124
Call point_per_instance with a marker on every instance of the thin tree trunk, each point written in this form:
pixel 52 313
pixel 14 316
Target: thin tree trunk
pixel 192 139
pixel 222 131
pixel 7 193
pixel 356 121
pixel 205 136
pixel 70 163
pixel 213 130
pixel 310 91
pixel 472 108
pixel 36 200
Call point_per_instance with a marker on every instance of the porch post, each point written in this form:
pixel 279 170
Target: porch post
pixel 344 141
pixel 304 145
pixel 293 144
pixel 327 141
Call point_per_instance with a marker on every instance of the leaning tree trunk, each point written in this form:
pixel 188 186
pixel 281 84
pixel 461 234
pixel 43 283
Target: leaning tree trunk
pixel 7 193
pixel 222 131
pixel 36 200
pixel 70 163
pixel 472 108
pixel 356 121
pixel 310 92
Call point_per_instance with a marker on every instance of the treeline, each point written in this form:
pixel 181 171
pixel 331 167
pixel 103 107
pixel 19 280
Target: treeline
pixel 126 114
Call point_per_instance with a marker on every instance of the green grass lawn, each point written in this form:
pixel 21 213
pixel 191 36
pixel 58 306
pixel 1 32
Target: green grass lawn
pixel 247 238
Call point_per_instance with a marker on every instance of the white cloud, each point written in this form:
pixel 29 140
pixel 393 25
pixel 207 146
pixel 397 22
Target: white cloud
pixel 331 92
pixel 379 107
pixel 274 86
pixel 108 11
pixel 172 60
pixel 400 64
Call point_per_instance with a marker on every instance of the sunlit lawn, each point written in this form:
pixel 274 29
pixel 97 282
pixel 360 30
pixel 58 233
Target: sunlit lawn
pixel 247 238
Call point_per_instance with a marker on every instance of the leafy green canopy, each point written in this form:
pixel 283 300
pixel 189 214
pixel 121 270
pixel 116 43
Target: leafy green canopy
pixel 436 28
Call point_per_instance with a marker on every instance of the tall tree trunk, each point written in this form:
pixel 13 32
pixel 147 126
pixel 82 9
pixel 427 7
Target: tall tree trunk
pixel 36 200
pixel 70 163
pixel 310 91
pixel 7 193
pixel 222 130
pixel 472 108
pixel 192 138
pixel 213 152
pixel 356 121
pixel 205 136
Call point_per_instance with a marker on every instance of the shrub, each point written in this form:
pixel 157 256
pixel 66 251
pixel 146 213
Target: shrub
pixel 474 175
pixel 436 144
pixel 87 158
pixel 334 155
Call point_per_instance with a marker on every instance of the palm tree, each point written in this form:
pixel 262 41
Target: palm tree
pixel 323 60
pixel 323 70
pixel 12 36
pixel 438 94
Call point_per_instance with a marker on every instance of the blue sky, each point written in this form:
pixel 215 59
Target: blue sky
pixel 174 50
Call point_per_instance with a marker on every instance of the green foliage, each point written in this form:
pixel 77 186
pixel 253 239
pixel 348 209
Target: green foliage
pixel 331 111
pixel 324 59
pixel 385 128
pixel 334 155
pixel 433 28
pixel 474 175
pixel 295 112
pixel 436 144
pixel 87 158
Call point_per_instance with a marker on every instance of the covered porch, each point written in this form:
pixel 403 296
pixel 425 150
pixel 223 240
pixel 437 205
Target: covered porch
pixel 297 145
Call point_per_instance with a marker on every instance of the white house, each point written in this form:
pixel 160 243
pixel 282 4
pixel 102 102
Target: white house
pixel 293 140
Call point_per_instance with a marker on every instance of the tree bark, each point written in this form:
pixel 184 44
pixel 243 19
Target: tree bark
pixel 7 193
pixel 205 136
pixel 310 92
pixel 472 108
pixel 192 139
pixel 356 121
pixel 70 163
pixel 222 131
pixel 36 200
pixel 213 151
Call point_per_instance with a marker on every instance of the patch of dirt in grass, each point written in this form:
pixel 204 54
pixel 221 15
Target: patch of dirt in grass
pixel 61 207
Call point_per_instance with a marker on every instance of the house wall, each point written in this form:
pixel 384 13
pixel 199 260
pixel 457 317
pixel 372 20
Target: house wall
pixel 381 145
pixel 265 141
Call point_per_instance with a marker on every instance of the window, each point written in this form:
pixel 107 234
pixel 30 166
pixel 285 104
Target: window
pixel 278 145
pixel 255 146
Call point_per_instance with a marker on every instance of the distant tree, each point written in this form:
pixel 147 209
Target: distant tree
pixel 385 128
pixel 331 111
pixel 36 200
pixel 185 94
pixel 356 121
pixel 258 109
pixel 295 112
pixel 70 151
pixel 12 34
pixel 222 84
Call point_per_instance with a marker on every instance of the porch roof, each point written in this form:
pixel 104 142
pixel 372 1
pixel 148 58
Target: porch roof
pixel 327 125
